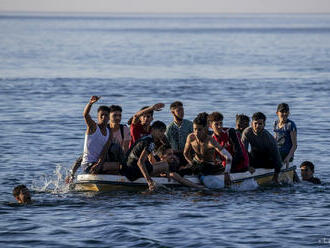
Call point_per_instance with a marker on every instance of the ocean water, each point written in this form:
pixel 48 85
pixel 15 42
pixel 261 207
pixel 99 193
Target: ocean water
pixel 50 65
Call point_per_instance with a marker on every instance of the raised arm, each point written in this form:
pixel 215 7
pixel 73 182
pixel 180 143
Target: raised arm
pixel 156 107
pixel 91 125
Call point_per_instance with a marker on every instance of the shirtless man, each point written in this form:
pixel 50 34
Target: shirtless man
pixel 204 147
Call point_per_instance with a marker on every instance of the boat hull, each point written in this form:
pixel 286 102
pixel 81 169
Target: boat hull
pixel 103 183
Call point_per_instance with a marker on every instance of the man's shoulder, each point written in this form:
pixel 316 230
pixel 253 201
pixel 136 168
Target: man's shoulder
pixel 188 122
pixel 247 131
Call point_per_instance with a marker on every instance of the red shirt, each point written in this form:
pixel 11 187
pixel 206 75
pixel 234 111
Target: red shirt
pixel 223 140
pixel 137 132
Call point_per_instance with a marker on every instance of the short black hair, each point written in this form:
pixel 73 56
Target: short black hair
pixel 283 107
pixel 215 116
pixel 258 116
pixel 242 117
pixel 114 108
pixel 308 164
pixel 201 119
pixel 103 108
pixel 17 189
pixel 158 125
pixel 176 104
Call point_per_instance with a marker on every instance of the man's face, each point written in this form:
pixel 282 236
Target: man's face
pixel 158 134
pixel 178 112
pixel 306 172
pixel 199 131
pixel 242 124
pixel 115 117
pixel 146 119
pixel 283 115
pixel 103 117
pixel 217 126
pixel 258 125
pixel 169 156
pixel 24 196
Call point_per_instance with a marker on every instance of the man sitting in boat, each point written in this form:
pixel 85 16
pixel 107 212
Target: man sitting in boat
pixel 140 122
pixel 228 139
pixel 307 172
pixel 204 146
pixel 167 154
pixel 264 152
pixel 120 133
pixel 178 130
pixel 242 122
pixel 137 164
pixel 97 143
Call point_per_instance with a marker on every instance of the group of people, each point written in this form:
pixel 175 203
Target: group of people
pixel 202 147
pixel 147 149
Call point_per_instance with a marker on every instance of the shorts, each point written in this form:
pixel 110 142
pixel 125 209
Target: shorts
pixel 132 171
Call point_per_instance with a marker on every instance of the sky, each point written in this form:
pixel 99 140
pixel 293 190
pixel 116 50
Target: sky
pixel 168 6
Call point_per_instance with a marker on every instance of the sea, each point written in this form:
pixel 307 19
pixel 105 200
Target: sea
pixel 52 63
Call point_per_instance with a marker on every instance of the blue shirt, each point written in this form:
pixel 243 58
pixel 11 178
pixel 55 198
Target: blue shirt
pixel 177 136
pixel 283 137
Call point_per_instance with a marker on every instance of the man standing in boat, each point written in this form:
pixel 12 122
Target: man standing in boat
pixel 204 147
pixel 178 130
pixel 264 152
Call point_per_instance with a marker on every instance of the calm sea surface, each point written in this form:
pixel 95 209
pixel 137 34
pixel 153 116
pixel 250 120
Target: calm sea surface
pixel 50 65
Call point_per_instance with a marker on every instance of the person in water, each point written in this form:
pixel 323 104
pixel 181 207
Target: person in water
pixel 204 147
pixel 307 172
pixel 178 130
pixel 138 159
pixel 96 144
pixel 285 134
pixel 140 122
pixel 264 152
pixel 242 122
pixel 227 138
pixel 22 194
pixel 120 133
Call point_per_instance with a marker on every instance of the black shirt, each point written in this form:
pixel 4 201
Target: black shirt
pixel 314 180
pixel 134 153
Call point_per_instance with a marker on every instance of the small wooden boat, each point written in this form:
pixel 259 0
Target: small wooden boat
pixel 88 182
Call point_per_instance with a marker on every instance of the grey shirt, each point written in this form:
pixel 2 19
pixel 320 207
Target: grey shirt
pixel 177 135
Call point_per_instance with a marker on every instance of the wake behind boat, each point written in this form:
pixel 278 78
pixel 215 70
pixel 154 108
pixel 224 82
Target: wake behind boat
pixel 103 183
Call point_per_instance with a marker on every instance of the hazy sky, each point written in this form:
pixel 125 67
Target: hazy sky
pixel 169 6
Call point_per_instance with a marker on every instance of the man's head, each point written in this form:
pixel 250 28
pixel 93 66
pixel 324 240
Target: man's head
pixel 242 122
pixel 115 114
pixel 22 194
pixel 158 129
pixel 103 115
pixel 283 111
pixel 216 122
pixel 146 118
pixel 177 110
pixel 307 170
pixel 258 122
pixel 166 153
pixel 200 125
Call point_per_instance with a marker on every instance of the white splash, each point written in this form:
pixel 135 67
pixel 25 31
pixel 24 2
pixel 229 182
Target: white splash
pixel 54 183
